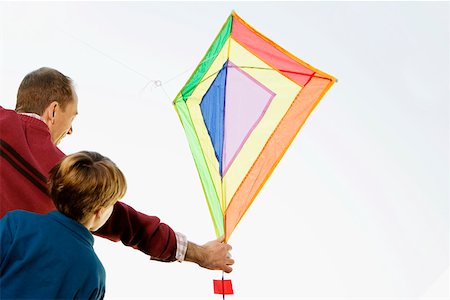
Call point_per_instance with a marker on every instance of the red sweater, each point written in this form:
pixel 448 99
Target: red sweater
pixel 26 156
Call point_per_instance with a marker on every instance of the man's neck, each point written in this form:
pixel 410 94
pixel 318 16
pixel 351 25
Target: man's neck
pixel 33 115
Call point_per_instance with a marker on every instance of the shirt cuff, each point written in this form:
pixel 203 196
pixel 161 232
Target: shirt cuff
pixel 182 243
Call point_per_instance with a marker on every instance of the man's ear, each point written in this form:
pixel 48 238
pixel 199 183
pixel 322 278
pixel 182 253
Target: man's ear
pixel 49 113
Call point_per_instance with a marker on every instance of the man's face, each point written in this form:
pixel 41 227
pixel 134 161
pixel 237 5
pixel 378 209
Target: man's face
pixel 63 120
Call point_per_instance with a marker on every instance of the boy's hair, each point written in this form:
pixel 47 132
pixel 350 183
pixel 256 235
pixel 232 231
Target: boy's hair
pixel 41 87
pixel 83 182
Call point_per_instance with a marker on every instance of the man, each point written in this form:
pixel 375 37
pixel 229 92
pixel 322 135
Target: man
pixel 46 106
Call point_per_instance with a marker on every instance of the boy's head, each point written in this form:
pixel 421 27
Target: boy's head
pixel 85 185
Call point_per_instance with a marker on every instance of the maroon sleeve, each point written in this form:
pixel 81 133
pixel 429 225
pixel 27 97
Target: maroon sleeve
pixel 142 232
pixel 26 156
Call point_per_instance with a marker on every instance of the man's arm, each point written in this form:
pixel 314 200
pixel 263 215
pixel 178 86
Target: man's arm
pixel 149 235
pixel 140 231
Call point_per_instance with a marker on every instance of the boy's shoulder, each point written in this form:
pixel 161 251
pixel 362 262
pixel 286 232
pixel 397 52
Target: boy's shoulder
pixel 19 214
pixel 22 218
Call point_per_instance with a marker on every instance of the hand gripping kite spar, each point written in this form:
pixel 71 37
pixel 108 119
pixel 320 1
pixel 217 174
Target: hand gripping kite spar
pixel 241 109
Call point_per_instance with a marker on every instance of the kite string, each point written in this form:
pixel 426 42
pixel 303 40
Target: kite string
pixel 155 83
pixel 223 286
pixel 159 83
pixel 104 54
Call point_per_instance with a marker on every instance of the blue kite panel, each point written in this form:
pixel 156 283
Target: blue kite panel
pixel 213 111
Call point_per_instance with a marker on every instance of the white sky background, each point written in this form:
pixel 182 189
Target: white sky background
pixel 359 205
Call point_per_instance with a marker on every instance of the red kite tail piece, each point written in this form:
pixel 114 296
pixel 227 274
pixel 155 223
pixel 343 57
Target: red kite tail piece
pixel 223 287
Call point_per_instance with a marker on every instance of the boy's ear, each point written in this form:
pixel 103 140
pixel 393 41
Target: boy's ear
pixel 99 212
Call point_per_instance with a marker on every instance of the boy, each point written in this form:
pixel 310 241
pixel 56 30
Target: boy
pixel 51 256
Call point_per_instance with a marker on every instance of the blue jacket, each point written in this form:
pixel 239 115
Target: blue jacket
pixel 48 257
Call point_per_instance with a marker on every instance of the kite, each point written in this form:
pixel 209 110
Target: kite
pixel 241 109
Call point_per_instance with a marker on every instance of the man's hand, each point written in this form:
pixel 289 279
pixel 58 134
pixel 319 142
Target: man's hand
pixel 213 255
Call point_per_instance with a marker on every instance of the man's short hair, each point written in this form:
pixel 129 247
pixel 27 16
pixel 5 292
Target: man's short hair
pixel 83 182
pixel 41 87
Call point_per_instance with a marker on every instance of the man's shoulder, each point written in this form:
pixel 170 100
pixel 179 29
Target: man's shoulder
pixel 3 110
pixel 29 138
pixel 7 113
pixel 8 116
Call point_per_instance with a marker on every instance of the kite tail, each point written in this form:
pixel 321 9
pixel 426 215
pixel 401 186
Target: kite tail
pixel 223 289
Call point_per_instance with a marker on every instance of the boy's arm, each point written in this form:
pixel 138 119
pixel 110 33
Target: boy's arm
pixel 140 231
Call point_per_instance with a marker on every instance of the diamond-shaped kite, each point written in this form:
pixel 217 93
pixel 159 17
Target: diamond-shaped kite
pixel 241 109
